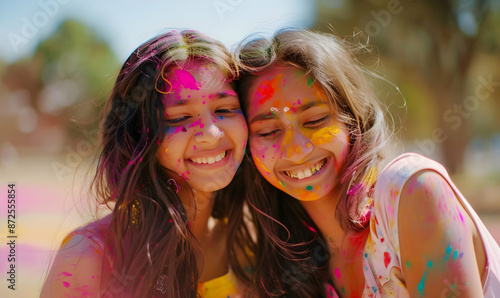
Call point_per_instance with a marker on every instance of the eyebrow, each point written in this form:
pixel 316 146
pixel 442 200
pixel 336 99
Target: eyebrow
pixel 217 95
pixel 272 115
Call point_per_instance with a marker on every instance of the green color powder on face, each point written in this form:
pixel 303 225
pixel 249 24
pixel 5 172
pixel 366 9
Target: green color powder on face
pixel 429 264
pixel 455 254
pixel 310 81
pixel 309 187
pixel 282 184
pixel 408 264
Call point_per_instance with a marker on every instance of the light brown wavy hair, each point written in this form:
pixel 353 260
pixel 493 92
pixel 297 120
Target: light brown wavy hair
pixel 287 240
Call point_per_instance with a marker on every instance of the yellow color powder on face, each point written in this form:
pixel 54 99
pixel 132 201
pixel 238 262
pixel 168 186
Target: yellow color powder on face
pixel 325 135
pixel 166 150
pixel 258 163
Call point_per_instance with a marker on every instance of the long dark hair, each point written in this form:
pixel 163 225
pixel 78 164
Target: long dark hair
pixel 149 241
pixel 288 241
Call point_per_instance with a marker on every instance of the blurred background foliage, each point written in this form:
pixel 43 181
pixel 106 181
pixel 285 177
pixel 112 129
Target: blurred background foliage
pixel 49 97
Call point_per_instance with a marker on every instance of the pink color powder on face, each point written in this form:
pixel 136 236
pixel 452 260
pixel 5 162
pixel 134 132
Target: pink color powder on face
pixel 337 273
pixel 195 123
pixel 66 284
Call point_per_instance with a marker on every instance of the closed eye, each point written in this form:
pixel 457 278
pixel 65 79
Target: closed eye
pixel 269 134
pixel 317 121
pixel 227 111
pixel 177 120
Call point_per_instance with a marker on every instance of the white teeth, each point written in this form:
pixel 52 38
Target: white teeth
pixel 301 174
pixel 209 160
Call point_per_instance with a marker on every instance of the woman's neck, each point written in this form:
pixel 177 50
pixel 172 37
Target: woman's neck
pixel 199 207
pixel 345 243
pixel 322 212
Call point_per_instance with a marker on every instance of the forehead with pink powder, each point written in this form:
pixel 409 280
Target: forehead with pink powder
pixel 188 76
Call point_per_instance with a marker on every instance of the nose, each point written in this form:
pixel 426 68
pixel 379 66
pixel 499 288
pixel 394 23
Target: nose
pixel 209 131
pixel 295 146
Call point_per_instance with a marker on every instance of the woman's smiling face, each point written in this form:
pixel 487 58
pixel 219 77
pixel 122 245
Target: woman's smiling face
pixel 206 132
pixel 296 141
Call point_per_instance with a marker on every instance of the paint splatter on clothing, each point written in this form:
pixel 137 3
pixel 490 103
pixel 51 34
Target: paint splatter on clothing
pixel 382 266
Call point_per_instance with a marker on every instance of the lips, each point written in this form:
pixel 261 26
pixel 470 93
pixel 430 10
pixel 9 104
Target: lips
pixel 306 172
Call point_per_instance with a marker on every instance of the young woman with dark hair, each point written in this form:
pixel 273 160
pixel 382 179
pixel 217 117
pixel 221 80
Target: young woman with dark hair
pixel 173 137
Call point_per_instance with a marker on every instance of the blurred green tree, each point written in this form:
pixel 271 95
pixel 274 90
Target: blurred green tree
pixel 69 74
pixel 431 48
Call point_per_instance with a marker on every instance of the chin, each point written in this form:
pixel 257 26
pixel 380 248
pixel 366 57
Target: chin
pixel 216 183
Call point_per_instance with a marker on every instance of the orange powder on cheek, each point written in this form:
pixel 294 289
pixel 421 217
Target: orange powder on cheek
pixel 259 164
pixel 273 180
pixel 308 196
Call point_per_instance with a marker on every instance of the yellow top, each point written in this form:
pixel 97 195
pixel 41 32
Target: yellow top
pixel 222 286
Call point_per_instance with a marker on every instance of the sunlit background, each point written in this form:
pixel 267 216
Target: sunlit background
pixel 440 61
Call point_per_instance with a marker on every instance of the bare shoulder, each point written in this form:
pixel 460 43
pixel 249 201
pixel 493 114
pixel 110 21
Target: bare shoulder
pixel 79 264
pixel 437 239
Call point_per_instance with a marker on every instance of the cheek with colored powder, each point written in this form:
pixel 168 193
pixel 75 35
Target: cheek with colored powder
pixel 288 147
pixel 267 174
pixel 325 135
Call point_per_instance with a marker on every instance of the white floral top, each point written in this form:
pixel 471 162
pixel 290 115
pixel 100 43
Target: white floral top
pixel 382 263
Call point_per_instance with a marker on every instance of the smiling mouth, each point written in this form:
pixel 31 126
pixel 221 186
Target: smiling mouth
pixel 209 160
pixel 302 174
